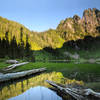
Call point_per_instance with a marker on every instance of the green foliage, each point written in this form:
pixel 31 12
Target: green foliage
pixel 13 50
pixel 36 40
pixel 67 69
pixel 83 47
pixel 3 64
pixel 68 29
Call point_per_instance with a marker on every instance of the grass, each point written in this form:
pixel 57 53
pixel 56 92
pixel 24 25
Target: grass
pixel 70 70
pixel 67 69
pixel 63 67
pixel 3 65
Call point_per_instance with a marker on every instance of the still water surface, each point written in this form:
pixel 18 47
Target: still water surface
pixel 37 93
pixel 30 88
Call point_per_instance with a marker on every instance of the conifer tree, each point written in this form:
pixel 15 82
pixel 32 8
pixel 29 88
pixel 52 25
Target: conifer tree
pixel 13 48
pixel 7 44
pixel 27 48
pixel 21 43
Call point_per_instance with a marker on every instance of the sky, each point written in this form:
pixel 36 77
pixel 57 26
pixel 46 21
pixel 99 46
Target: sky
pixel 41 15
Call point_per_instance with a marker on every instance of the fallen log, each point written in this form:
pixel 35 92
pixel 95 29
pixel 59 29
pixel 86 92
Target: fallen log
pixel 14 66
pixel 91 92
pixel 66 90
pixel 76 93
pixel 9 76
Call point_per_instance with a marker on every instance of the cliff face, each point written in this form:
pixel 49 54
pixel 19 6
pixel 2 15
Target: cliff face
pixel 78 27
pixel 91 20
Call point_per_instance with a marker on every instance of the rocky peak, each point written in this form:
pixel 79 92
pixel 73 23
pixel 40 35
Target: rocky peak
pixel 91 20
pixel 76 18
pixel 91 13
pixel 88 24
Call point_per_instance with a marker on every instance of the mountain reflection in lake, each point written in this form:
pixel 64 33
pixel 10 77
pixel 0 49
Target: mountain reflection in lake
pixel 29 87
pixel 37 93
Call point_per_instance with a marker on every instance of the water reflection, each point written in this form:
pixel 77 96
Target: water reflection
pixel 16 88
pixel 37 93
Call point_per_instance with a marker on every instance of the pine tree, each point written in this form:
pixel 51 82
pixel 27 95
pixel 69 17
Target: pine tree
pixel 3 48
pixel 27 48
pixel 0 47
pixel 13 48
pixel 7 44
pixel 21 44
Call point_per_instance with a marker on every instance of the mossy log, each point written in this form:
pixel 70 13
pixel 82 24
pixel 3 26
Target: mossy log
pixel 76 93
pixel 9 76
pixel 14 66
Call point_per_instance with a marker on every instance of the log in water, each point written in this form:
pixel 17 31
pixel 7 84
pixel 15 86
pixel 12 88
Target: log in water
pixel 9 76
pixel 76 93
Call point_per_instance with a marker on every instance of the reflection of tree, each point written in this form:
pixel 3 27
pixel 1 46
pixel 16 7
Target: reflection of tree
pixel 17 88
pixel 27 82
pixel 22 87
pixel 13 90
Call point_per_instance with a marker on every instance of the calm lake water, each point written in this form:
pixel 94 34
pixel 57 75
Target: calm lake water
pixel 30 88
pixel 37 93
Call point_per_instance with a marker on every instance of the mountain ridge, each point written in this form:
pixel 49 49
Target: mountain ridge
pixel 68 29
pixel 87 25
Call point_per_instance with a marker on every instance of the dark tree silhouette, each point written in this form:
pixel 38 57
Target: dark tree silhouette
pixel 13 50
pixel 27 48
pixel 7 43
pixel 21 44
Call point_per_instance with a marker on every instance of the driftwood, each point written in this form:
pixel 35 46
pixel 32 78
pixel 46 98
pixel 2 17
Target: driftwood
pixel 14 66
pixel 76 93
pixel 9 76
pixel 91 92
pixel 12 62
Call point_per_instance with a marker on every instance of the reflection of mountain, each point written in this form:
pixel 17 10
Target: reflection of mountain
pixel 37 93
pixel 15 89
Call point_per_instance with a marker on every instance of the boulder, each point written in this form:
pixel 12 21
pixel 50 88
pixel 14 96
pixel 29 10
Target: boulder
pixel 12 61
